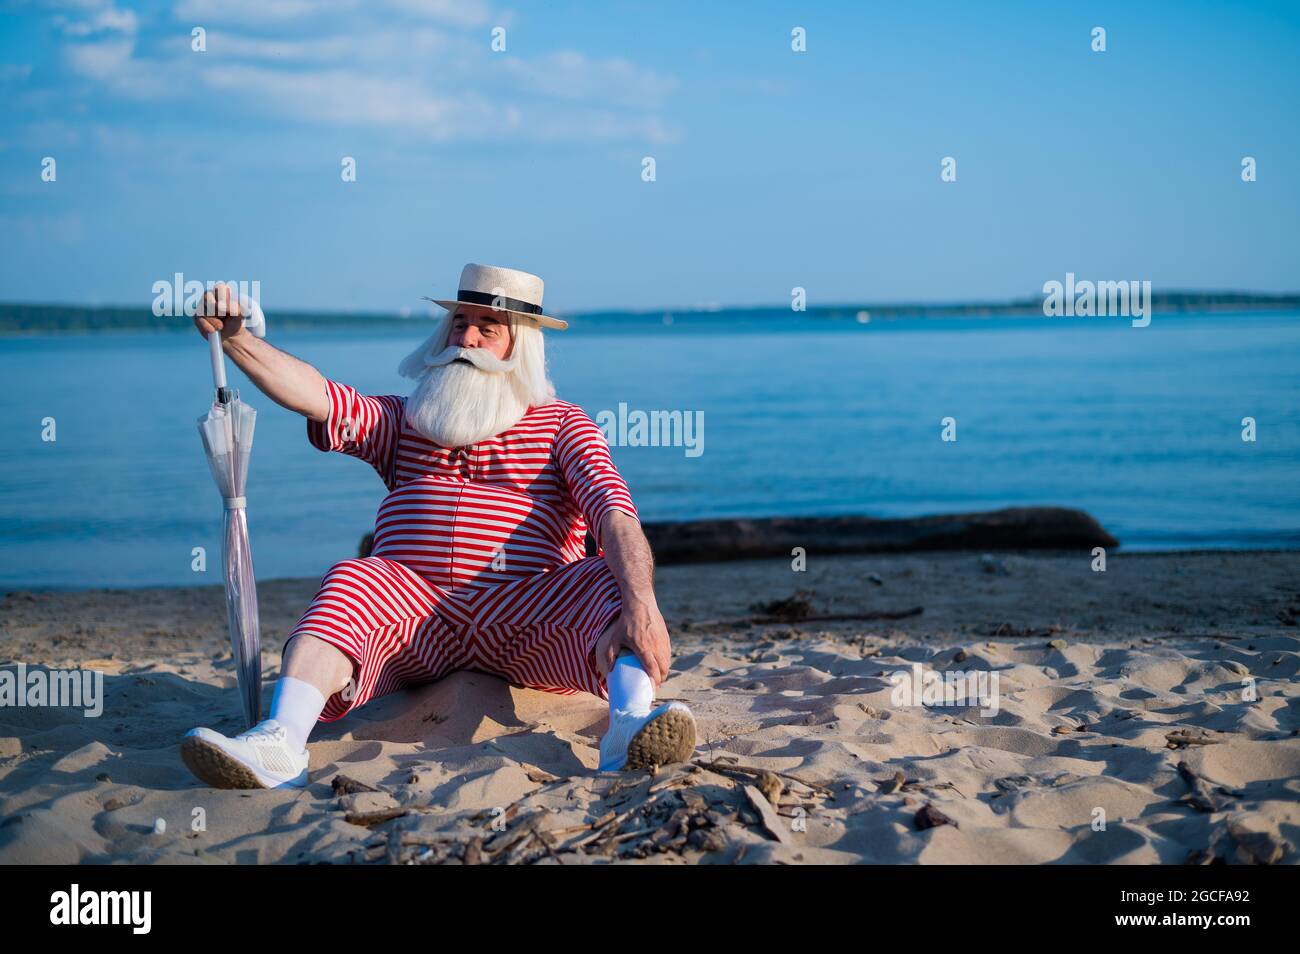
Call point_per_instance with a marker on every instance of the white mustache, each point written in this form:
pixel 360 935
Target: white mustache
pixel 457 404
pixel 479 357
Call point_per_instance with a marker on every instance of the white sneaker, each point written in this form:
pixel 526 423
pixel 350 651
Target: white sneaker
pixel 643 741
pixel 258 758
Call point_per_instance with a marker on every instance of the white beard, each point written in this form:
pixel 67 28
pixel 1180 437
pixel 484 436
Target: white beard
pixel 456 404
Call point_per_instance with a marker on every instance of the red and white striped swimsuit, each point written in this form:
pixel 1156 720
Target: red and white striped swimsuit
pixel 479 556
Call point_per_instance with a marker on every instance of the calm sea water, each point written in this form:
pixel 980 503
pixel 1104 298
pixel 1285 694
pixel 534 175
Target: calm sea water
pixel 1140 427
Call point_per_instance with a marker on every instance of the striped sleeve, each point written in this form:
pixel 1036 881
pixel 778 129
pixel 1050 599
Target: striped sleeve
pixel 360 426
pixel 589 472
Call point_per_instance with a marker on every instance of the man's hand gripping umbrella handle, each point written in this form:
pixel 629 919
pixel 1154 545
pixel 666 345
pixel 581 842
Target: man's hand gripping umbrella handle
pixel 255 322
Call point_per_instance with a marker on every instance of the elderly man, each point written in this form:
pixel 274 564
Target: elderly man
pixel 479 558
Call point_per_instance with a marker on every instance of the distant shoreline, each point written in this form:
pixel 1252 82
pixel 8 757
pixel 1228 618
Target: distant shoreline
pixel 1229 554
pixel 19 318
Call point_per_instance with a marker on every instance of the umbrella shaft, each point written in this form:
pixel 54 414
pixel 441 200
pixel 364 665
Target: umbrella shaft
pixel 218 363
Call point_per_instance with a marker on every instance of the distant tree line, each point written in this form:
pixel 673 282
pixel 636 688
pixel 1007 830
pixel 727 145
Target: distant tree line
pixel 18 318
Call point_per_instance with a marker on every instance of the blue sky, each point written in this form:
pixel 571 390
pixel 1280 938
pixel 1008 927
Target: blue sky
pixel 774 168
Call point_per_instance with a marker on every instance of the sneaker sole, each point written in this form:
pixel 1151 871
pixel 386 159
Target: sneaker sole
pixel 667 739
pixel 215 767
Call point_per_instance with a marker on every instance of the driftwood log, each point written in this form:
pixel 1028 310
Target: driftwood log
pixel 1015 528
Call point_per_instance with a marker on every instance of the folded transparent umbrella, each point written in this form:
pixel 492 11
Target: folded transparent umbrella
pixel 227 433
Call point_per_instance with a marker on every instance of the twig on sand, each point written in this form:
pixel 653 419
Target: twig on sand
pixel 545 839
pixel 625 836
pixel 474 852
pixel 369 819
pixel 923 786
pixel 597 829
pixel 587 839
pixel 722 768
pixel 515 850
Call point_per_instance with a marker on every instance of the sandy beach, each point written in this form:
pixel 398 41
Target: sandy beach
pixel 1147 714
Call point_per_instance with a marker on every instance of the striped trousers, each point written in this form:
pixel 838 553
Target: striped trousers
pixel 400 630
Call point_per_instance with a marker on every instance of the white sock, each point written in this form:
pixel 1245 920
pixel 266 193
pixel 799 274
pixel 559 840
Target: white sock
pixel 296 706
pixel 630 686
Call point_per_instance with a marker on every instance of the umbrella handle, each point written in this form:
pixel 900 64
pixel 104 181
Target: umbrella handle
pixel 218 360
pixel 254 320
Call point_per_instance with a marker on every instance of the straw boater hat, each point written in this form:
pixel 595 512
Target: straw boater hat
pixel 502 289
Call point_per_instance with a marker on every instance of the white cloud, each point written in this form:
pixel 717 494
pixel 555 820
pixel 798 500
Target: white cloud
pixel 345 97
pixel 571 75
pixel 96 16
pixel 111 62
pixel 462 13
pixel 258 11
pixel 467 13
pixel 381 65
pixel 84 6
pixel 105 21
pixel 105 60
pixel 383 46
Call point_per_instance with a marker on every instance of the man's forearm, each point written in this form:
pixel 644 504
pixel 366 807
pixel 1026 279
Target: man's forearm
pixel 630 559
pixel 286 380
